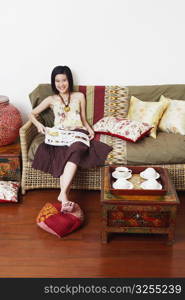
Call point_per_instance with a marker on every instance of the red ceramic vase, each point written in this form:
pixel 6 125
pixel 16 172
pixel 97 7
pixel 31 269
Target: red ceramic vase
pixel 10 122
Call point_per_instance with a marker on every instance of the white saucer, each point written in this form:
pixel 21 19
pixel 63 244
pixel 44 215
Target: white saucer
pixel 129 187
pixel 115 175
pixel 143 186
pixel 154 177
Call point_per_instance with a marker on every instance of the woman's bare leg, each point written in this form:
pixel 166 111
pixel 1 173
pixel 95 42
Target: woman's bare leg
pixel 65 182
pixel 61 188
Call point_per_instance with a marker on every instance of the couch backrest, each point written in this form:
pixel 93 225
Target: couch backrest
pixel 100 101
pixel 104 101
pixel 153 92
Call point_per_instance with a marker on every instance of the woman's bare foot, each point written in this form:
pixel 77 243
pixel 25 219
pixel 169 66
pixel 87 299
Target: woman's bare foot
pixel 63 197
pixel 67 206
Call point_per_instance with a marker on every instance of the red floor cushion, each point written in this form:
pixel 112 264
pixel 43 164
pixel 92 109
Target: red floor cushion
pixel 52 220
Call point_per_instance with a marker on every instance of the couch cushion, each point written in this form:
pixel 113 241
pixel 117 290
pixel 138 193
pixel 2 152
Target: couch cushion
pixel 167 148
pixel 162 150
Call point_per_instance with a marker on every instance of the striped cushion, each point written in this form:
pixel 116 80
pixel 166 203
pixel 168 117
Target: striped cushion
pixel 104 101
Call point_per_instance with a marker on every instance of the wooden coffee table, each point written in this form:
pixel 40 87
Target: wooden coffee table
pixel 138 211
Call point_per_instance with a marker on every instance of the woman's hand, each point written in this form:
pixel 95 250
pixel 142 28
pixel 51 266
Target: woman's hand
pixel 91 134
pixel 41 128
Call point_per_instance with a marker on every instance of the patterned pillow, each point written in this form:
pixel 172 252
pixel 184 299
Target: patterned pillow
pixel 104 125
pixel 122 128
pixel 149 112
pixel 60 224
pixel 173 119
pixel 9 191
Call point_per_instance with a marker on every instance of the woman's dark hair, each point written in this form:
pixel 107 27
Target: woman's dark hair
pixel 61 70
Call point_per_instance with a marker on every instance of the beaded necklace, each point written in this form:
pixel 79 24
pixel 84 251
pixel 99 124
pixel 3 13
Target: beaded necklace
pixel 66 108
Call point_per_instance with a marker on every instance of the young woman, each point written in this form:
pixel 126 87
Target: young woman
pixel 69 110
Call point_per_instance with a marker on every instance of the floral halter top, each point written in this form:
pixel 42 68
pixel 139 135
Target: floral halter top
pixel 67 120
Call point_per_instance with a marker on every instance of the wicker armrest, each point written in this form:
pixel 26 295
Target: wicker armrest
pixel 27 133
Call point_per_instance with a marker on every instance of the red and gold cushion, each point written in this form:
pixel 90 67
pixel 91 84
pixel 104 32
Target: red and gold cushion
pixel 122 128
pixel 52 220
pixel 9 191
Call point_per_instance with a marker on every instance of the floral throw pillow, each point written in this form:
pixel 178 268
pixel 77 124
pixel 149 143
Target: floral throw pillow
pixel 9 191
pixel 104 125
pixel 173 119
pixel 52 220
pixel 122 128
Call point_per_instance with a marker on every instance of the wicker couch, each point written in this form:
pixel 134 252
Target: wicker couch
pixel 105 101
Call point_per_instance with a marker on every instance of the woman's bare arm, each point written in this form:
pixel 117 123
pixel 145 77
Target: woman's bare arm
pixel 36 111
pixel 83 116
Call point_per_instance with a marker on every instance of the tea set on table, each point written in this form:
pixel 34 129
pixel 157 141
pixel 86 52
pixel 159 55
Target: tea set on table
pixel 121 174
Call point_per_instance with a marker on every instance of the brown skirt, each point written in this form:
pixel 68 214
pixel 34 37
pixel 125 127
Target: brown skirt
pixel 52 159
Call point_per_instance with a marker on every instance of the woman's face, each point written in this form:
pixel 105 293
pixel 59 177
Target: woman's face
pixel 61 83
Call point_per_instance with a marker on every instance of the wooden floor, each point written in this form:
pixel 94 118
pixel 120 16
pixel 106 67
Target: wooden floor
pixel 28 251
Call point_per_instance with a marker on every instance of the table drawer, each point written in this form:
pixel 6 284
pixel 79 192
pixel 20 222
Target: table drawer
pixel 133 218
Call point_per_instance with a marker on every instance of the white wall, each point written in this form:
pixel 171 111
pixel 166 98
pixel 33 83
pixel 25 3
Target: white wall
pixel 103 41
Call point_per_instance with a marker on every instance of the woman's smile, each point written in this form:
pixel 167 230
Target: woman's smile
pixel 61 83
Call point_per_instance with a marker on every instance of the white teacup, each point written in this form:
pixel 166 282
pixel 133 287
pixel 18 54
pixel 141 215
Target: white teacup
pixel 149 173
pixel 151 184
pixel 122 183
pixel 123 170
